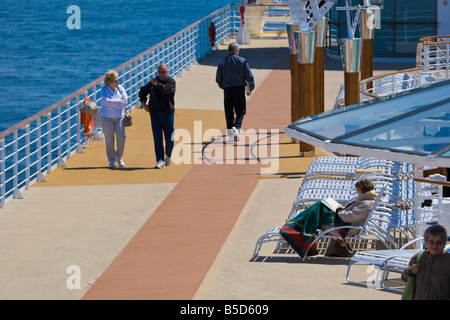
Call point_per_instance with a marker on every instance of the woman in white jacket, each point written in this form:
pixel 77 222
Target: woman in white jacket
pixel 114 102
pixel 300 231
pixel 356 212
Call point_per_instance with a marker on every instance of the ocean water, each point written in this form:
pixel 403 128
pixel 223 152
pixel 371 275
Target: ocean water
pixel 42 60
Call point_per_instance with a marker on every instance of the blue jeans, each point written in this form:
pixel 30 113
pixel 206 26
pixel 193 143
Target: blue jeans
pixel 162 128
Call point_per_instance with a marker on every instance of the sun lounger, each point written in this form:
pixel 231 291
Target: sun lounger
pixel 352 167
pixel 376 224
pixel 386 261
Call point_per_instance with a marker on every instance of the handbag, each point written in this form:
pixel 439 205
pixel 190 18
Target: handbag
pixel 339 248
pixel 410 289
pixel 127 120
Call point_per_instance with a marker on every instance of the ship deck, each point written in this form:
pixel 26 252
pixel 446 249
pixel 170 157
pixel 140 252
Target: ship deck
pixel 184 232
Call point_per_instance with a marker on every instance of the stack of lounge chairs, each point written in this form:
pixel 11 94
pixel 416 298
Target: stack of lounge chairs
pixel 403 210
pixel 336 177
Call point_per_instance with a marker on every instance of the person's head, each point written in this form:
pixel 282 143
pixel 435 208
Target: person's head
pixel 112 79
pixel 435 238
pixel 364 185
pixel 163 72
pixel 233 48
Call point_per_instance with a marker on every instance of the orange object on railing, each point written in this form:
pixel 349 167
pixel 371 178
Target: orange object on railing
pixel 212 34
pixel 86 120
pixel 242 11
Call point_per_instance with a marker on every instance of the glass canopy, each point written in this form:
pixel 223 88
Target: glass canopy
pixel 413 126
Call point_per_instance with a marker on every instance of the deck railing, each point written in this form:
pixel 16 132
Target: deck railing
pixel 432 65
pixel 34 147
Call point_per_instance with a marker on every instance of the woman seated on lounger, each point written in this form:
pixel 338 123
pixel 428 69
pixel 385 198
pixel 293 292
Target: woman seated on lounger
pixel 301 230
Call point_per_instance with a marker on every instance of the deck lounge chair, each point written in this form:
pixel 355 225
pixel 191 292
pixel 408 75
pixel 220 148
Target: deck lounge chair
pixel 376 224
pixel 386 261
pixel 352 167
pixel 317 187
pixel 379 259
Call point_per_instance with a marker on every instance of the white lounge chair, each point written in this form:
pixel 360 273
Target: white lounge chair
pixel 385 262
pixel 376 224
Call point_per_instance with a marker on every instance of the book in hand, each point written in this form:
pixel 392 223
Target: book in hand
pixel 331 203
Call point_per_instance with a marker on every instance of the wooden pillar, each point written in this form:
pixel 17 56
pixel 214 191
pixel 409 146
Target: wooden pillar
pixel 367 30
pixel 319 80
pixel 351 86
pixel 295 89
pixel 367 61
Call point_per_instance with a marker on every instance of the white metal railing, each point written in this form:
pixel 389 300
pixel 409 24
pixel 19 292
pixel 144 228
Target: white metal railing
pixel 430 204
pixel 36 146
pixel 262 19
pixel 432 65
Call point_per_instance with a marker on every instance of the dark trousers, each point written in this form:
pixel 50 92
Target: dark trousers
pixel 234 103
pixel 162 128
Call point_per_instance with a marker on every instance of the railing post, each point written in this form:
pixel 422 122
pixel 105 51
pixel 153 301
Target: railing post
pixel 69 144
pixel 27 155
pixel 96 135
pixel 80 148
pixel 17 194
pixel 40 176
pixel 61 162
pixel 2 173
pixel 49 142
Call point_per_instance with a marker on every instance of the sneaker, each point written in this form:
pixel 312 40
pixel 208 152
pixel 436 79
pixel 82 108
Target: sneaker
pixel 230 134
pixel 236 134
pixel 161 164
pixel 120 162
pixel 111 165
pixel 167 161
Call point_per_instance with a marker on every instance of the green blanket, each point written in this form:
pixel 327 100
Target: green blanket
pixel 300 231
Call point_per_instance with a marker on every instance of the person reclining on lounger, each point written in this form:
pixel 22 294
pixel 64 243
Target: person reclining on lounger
pixel 300 231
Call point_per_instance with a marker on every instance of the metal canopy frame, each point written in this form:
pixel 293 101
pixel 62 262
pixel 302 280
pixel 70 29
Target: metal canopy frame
pixel 412 126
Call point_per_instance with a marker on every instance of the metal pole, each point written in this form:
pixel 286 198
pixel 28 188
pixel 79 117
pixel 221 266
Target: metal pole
pixel 351 50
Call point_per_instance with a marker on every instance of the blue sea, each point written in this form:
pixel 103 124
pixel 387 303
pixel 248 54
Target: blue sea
pixel 42 60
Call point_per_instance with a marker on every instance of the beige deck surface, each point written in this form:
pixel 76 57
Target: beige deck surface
pixel 184 232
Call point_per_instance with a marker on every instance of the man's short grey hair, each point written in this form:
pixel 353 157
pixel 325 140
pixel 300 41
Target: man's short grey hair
pixel 233 47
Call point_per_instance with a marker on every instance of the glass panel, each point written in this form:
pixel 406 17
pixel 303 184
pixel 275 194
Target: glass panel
pixel 425 132
pixel 387 13
pixel 407 37
pixel 415 11
pixel 342 123
pixel 383 41
pixel 333 44
pixel 445 154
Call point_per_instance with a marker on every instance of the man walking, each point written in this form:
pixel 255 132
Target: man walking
pixel 233 76
pixel 161 107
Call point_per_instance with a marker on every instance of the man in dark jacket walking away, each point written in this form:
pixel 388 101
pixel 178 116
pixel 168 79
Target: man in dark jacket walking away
pixel 161 107
pixel 233 76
